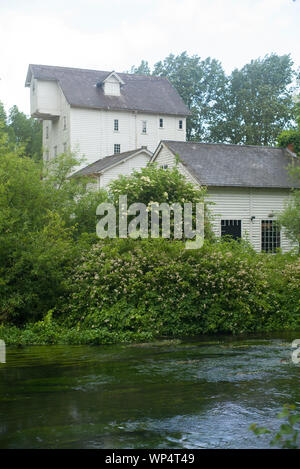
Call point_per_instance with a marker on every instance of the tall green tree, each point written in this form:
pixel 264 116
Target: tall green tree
pixel 250 106
pixel 201 84
pixel 25 131
pixel 142 69
pixel 45 223
pixel 258 103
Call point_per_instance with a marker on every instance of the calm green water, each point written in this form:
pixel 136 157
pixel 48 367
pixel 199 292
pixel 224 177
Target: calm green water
pixel 190 394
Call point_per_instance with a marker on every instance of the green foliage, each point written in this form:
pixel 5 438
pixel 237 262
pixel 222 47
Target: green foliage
pixel 25 131
pixel 142 69
pixel 158 287
pixel 259 102
pixel 153 184
pixel 201 84
pixel 287 435
pixel 250 106
pixel 290 136
pixel 40 219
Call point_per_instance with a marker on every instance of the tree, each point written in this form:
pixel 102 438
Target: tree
pixel 259 103
pixel 25 132
pixel 251 106
pixel 201 84
pixel 46 221
pixel 142 69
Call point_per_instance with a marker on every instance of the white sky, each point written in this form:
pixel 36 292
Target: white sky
pixel 116 34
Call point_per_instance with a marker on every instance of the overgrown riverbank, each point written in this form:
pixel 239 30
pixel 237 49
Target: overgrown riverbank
pixel 129 290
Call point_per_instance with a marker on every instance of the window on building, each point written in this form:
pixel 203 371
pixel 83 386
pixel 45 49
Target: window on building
pixel 231 228
pixel 55 151
pixel 161 122
pixel 117 148
pixel 270 235
pixel 144 127
pixel 116 125
pixel 65 123
pixel 65 147
pixel 47 131
pixel 164 166
pixel 180 124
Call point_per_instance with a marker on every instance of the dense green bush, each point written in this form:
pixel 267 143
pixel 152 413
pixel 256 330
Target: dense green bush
pixel 44 228
pixel 159 287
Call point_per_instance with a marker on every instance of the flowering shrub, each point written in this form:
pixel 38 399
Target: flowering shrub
pixel 158 287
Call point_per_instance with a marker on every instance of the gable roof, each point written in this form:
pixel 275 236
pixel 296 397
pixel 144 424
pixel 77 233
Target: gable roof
pixel 109 161
pixel 235 165
pixel 139 92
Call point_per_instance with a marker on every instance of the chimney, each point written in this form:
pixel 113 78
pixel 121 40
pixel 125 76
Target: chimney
pixel 291 147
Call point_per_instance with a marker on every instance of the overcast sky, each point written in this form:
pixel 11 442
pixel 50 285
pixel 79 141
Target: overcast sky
pixel 116 34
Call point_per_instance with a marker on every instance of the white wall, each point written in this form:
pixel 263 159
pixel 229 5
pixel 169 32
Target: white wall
pixel 93 135
pixel 57 134
pixel 125 168
pixel 44 98
pixel 241 203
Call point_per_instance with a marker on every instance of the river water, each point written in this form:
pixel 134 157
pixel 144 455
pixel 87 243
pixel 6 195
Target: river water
pixel 194 393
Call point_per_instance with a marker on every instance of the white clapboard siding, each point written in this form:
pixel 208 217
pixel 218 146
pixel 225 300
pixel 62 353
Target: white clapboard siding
pixel 58 133
pixel 135 163
pixel 93 134
pixel 85 133
pixel 244 203
pixel 45 98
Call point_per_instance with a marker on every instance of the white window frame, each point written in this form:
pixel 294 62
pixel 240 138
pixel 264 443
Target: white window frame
pixel 180 123
pixel 117 148
pixel 161 122
pixel 144 127
pixel 116 125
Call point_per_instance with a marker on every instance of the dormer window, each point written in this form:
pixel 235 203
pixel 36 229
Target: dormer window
pixel 112 84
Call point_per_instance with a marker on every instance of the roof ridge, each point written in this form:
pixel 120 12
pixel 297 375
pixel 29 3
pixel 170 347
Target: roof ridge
pixel 226 144
pixel 101 71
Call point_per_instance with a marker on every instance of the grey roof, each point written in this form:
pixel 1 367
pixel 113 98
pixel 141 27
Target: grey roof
pixel 140 92
pixel 107 162
pixel 236 165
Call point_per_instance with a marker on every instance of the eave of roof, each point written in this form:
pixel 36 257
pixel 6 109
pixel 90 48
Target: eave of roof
pixel 107 162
